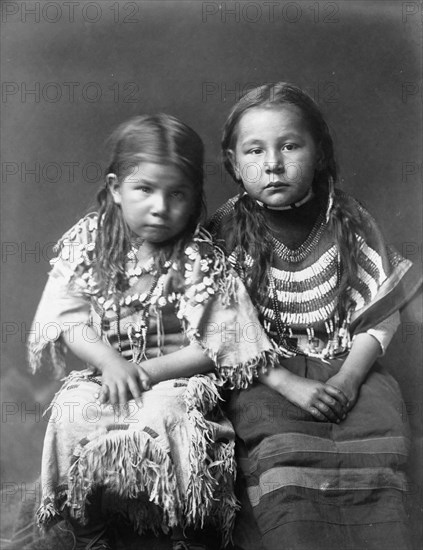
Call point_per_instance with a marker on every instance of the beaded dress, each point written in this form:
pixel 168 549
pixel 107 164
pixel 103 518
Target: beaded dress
pixel 167 458
pixel 319 485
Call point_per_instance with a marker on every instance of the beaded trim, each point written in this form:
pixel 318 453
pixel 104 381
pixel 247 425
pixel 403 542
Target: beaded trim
pixel 299 254
pixel 338 335
pixel 305 300
pixel 137 334
pixel 281 329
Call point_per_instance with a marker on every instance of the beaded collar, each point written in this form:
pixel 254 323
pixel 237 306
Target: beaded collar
pixel 296 255
pixel 308 196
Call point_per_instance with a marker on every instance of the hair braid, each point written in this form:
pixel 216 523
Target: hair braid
pixel 112 242
pixel 249 238
pixel 346 225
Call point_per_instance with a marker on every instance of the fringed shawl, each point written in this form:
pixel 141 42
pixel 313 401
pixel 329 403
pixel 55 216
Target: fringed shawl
pixel 206 294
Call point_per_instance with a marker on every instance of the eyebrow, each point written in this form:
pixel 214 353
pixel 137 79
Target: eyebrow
pixel 251 141
pixel 288 135
pixel 145 181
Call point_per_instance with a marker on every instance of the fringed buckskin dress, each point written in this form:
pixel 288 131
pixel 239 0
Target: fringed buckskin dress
pixel 167 458
pixel 320 485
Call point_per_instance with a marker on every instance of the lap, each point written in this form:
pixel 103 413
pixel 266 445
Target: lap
pixel 308 480
pixel 260 412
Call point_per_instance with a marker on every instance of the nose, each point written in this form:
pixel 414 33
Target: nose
pixel 274 162
pixel 159 205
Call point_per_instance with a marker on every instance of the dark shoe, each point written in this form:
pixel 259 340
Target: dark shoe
pixel 98 542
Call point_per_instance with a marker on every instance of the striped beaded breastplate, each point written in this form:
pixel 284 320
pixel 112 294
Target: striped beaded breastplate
pixel 305 297
pixel 300 311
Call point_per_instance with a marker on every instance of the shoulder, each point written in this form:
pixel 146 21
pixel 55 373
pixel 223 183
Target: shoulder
pixel 346 200
pixel 203 258
pixel 356 210
pixel 84 230
pixel 77 245
pixel 202 246
pixel 222 214
pixel 207 271
pixel 371 239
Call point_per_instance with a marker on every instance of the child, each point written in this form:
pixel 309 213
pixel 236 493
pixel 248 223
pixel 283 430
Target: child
pixel 139 293
pixel 324 461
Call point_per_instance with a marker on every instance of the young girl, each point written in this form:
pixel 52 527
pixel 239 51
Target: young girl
pixel 139 293
pixel 324 460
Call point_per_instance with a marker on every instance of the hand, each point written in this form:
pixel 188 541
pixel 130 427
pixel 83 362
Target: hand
pixel 347 385
pixel 325 402
pixel 122 380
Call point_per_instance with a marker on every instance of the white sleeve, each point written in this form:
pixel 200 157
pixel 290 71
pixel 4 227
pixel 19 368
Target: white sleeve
pixel 384 331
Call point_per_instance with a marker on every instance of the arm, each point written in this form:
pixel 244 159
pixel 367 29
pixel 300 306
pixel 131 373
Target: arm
pixel 332 400
pixel 183 363
pixel 364 352
pixel 314 396
pixel 121 377
pixel 325 402
pixel 384 331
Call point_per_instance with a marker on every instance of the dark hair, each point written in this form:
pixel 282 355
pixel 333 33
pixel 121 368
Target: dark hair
pixel 160 139
pixel 274 95
pixel 248 216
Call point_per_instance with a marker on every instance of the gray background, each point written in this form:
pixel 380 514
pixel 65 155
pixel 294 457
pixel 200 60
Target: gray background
pixel 92 65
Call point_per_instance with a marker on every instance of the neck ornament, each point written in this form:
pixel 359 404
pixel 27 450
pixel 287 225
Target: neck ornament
pixel 299 254
pixel 308 196
pixel 140 304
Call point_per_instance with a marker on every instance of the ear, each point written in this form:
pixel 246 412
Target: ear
pixel 113 184
pixel 232 160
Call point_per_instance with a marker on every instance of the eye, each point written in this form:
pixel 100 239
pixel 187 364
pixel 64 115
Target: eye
pixel 144 189
pixel 289 147
pixel 255 151
pixel 178 195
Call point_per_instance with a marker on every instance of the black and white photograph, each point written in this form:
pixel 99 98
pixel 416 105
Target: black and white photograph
pixel 211 275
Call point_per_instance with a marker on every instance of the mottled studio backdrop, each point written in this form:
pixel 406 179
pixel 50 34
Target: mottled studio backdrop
pixel 71 71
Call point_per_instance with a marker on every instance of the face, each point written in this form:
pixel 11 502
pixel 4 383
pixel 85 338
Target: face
pixel 156 200
pixel 275 155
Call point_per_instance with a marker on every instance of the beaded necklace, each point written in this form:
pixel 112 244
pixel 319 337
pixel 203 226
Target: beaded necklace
pixel 299 254
pixel 281 328
pixel 137 332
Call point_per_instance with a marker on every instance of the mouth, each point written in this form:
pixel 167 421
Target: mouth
pixel 156 226
pixel 276 185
